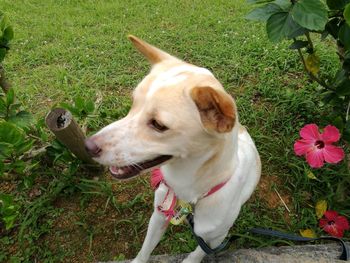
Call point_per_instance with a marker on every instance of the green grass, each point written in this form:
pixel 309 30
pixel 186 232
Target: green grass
pixel 65 49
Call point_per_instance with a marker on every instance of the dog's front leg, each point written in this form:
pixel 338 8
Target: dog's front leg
pixel 156 228
pixel 198 254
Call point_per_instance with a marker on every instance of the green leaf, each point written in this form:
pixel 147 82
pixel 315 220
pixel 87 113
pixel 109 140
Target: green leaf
pixel 2 169
pixel 5 200
pixel 347 14
pixel 9 133
pixel 74 110
pixel 342 82
pixel 2 53
pixel 284 4
pixel 298 44
pixel 89 106
pixel 310 14
pixel 346 131
pixel 10 221
pixel 28 181
pixel 281 25
pixel 339 77
pixel 329 96
pixel 258 1
pixel 24 147
pixel 346 62
pixel 5 150
pixel 264 12
pixel 336 4
pixel 344 35
pixel 3 108
pixel 338 122
pixel 344 88
pixel 22 119
pixel 10 97
pixel 333 27
pixel 3 21
pixel 79 103
pixel 8 33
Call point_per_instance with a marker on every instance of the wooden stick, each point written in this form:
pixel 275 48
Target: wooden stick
pixel 68 132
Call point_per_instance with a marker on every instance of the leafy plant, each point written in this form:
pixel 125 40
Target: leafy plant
pixel 10 111
pixel 14 140
pixel 9 210
pixel 6 34
pixel 296 20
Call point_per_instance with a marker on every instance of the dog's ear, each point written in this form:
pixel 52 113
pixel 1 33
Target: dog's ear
pixel 153 54
pixel 216 108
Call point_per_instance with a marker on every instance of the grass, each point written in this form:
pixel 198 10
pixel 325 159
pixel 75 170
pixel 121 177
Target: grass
pixel 65 49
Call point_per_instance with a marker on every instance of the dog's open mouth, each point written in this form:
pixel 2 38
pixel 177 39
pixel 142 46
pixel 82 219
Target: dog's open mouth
pixel 129 171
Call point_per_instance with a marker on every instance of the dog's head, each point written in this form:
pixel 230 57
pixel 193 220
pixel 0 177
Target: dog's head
pixel 179 110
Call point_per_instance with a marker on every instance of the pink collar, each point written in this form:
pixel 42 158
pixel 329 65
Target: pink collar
pixel 167 207
pixel 157 178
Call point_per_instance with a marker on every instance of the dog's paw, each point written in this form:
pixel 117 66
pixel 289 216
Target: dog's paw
pixel 140 259
pixel 190 259
pixel 195 257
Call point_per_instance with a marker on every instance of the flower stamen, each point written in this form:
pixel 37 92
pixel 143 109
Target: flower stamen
pixel 331 223
pixel 319 144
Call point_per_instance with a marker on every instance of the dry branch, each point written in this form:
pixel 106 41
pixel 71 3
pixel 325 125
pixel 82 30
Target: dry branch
pixel 68 132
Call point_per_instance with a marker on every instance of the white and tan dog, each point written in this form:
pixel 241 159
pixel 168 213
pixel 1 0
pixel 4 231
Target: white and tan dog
pixel 183 121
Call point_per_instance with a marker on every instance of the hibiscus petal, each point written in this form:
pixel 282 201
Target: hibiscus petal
pixel 330 134
pixel 315 158
pixel 331 215
pixel 333 230
pixel 342 222
pixel 310 132
pixel 302 146
pixel 333 154
pixel 323 222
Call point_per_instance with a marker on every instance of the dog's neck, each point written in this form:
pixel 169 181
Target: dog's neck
pixel 194 176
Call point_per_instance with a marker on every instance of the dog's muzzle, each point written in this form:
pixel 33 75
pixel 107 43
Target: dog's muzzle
pixel 132 170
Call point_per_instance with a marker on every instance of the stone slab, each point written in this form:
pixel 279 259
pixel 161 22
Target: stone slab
pixel 326 253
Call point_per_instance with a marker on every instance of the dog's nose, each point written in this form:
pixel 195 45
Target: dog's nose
pixel 92 148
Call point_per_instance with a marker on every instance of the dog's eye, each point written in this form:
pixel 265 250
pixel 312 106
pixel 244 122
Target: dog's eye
pixel 157 126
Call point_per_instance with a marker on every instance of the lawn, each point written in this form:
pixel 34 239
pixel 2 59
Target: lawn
pixel 64 50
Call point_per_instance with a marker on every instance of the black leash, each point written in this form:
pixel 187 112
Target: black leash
pixel 345 253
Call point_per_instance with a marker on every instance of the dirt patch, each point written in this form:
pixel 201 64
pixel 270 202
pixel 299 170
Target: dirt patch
pixel 8 187
pixel 92 228
pixel 270 190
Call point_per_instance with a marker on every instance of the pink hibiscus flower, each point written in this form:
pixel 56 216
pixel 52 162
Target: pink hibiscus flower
pixel 317 147
pixel 334 224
